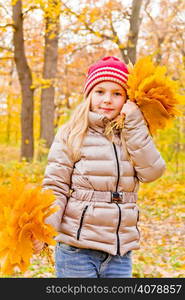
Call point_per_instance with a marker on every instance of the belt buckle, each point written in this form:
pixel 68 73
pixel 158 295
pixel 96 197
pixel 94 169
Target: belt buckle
pixel 116 196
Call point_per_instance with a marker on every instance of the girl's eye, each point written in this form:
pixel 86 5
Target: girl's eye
pixel 99 92
pixel 117 94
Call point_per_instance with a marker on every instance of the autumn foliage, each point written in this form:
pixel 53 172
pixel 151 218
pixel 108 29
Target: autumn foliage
pixel 22 217
pixel 156 94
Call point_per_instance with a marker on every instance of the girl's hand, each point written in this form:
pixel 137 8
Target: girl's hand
pixel 37 246
pixel 129 108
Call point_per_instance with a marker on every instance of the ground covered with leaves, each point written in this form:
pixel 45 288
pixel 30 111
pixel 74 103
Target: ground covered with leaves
pixel 161 225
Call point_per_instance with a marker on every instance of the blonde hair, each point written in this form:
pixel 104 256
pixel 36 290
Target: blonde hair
pixel 76 128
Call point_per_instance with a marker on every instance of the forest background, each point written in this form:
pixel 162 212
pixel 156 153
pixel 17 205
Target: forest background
pixel 46 47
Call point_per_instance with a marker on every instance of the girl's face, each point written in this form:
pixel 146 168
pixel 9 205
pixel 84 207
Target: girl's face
pixel 107 98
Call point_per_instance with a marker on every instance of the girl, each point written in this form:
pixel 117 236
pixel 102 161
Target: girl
pixel 95 177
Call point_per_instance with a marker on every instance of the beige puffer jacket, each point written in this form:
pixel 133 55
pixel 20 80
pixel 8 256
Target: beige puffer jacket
pixel 91 216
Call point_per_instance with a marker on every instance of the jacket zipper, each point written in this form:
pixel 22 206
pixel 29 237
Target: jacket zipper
pixel 117 166
pixel 136 224
pixel 119 220
pixel 81 222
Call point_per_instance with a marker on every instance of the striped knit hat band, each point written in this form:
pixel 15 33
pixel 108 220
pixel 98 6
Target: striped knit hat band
pixel 109 68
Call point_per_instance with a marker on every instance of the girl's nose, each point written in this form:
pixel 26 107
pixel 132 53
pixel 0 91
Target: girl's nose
pixel 107 98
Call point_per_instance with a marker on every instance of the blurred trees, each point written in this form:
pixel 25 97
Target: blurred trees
pixel 61 40
pixel 25 78
pixel 134 21
pixel 100 23
pixel 51 17
pixel 51 9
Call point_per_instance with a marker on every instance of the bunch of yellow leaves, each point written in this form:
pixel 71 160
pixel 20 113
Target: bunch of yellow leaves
pixel 156 94
pixel 22 218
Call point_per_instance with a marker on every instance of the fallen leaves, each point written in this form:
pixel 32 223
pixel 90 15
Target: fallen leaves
pixel 162 229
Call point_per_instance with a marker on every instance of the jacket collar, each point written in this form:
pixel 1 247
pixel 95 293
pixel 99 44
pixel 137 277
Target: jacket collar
pixel 98 122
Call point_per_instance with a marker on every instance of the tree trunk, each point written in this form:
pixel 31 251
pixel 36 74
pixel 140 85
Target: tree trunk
pixel 25 78
pixel 133 31
pixel 49 72
pixel 9 107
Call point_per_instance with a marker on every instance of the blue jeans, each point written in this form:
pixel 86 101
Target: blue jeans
pixel 86 263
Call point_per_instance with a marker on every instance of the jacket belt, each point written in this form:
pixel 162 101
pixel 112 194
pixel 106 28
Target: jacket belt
pixel 99 196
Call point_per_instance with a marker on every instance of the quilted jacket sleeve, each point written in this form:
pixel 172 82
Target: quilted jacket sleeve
pixel 57 177
pixel 148 163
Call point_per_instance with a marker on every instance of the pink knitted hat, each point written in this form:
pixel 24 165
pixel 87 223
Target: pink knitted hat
pixel 109 68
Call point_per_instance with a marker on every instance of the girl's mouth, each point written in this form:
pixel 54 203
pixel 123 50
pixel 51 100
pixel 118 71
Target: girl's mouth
pixel 107 109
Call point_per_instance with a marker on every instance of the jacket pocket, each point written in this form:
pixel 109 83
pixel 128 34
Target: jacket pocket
pixel 81 222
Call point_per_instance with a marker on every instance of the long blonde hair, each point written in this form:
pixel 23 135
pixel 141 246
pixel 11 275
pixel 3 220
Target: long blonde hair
pixel 76 128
